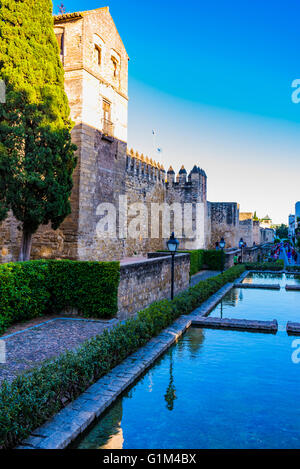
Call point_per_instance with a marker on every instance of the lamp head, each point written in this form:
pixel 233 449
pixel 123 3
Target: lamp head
pixel 222 243
pixel 173 243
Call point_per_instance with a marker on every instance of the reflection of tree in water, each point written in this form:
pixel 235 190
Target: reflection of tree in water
pixel 170 395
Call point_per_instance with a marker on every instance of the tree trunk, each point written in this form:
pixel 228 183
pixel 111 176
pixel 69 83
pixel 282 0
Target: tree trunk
pixel 25 246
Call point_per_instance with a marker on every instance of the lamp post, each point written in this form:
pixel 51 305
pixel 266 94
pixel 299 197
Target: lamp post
pixel 241 247
pixel 172 244
pixel 222 245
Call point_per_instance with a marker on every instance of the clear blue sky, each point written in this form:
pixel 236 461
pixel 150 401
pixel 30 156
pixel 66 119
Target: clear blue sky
pixel 214 80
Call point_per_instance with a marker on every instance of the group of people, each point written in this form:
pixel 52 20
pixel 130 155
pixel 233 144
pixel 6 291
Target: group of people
pixel 291 253
pixel 275 253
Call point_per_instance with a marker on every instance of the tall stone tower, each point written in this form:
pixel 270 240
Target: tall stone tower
pixel 96 82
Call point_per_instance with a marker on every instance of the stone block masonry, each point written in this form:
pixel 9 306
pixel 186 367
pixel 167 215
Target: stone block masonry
pixel 142 283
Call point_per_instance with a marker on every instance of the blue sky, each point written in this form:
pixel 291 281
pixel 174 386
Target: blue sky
pixel 214 80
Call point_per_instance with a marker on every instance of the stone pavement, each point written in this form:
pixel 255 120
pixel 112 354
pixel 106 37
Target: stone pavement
pixel 203 275
pixel 28 348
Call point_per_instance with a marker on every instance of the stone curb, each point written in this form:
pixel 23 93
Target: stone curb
pixel 260 286
pixel 292 287
pixel 71 421
pixel 237 324
pixel 293 328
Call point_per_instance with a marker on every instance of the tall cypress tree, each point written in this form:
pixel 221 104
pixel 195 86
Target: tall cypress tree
pixel 36 153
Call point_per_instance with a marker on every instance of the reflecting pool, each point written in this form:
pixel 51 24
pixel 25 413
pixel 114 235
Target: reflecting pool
pixel 213 389
pixel 262 305
pixel 268 278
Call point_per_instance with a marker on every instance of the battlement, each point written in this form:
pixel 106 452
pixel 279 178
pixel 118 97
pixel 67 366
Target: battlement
pixel 145 168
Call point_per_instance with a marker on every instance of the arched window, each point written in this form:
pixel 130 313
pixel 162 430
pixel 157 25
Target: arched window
pixel 98 50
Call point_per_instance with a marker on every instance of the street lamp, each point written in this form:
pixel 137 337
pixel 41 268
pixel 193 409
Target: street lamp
pixel 172 244
pixel 241 247
pixel 222 245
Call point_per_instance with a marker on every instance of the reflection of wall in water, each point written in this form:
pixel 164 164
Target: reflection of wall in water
pixel 111 428
pixel 232 298
pixel 195 342
pixel 108 433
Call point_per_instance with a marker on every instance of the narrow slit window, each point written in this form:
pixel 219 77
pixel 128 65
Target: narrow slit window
pixel 98 53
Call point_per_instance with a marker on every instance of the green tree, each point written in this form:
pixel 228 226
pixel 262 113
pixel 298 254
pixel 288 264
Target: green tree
pixel 282 231
pixel 36 153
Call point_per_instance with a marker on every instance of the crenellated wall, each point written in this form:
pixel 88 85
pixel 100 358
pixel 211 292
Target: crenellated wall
pixel 96 82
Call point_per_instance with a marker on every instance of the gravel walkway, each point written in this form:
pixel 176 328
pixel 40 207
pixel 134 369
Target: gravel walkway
pixel 203 275
pixel 28 348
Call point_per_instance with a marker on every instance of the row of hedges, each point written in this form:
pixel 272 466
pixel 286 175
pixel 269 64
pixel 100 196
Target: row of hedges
pixel 201 258
pixel 262 266
pixel 32 289
pixel 32 398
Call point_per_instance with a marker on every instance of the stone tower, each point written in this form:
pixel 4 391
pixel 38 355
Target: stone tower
pixel 96 82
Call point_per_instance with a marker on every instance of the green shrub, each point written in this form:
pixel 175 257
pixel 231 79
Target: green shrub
pixel 201 258
pixel 214 260
pixel 32 289
pixel 32 398
pixel 274 266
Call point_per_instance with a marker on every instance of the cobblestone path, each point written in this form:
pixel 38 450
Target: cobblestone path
pixel 29 347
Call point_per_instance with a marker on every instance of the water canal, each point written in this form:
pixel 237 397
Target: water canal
pixel 215 388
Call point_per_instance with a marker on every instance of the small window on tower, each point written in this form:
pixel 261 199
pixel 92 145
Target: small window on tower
pixel 98 54
pixel 115 66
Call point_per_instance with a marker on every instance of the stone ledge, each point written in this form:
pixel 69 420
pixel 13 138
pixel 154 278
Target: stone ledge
pixel 293 328
pixel 292 287
pixel 260 286
pixel 236 324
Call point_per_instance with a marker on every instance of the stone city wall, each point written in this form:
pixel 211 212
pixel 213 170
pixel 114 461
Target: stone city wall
pixel 142 283
pixel 224 219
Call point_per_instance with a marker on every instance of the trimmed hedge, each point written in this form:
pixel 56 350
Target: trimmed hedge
pixel 201 258
pixel 32 289
pixel 274 266
pixel 32 398
pixel 214 260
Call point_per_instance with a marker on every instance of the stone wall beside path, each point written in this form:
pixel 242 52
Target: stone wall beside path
pixel 144 282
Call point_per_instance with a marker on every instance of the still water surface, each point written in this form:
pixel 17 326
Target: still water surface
pixel 213 389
